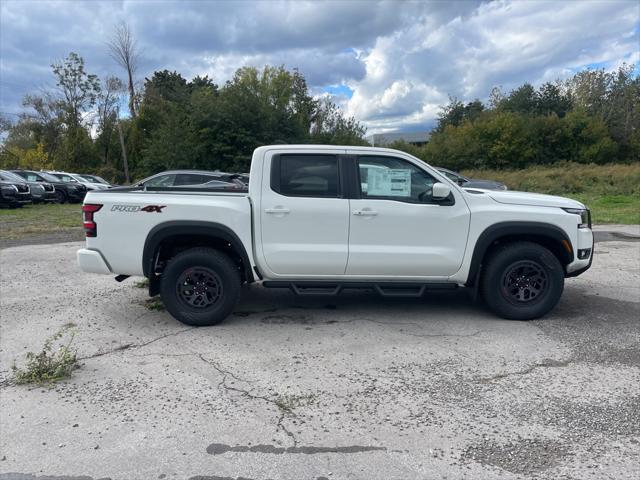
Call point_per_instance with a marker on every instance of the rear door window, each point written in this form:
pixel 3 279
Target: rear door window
pixel 300 175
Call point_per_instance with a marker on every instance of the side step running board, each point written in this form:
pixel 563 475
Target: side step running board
pixel 388 289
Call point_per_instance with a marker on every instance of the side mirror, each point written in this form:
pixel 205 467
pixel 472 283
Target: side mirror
pixel 440 191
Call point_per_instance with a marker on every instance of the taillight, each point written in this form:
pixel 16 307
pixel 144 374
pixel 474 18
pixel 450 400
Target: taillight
pixel 90 227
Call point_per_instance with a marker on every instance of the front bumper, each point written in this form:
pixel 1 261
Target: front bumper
pixel 49 196
pixel 91 261
pixel 585 241
pixel 16 199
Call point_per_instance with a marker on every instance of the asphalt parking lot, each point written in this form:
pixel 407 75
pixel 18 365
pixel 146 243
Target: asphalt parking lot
pixel 354 387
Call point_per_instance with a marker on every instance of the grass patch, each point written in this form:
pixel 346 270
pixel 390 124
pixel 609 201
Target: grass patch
pixel 621 209
pixel 612 192
pixel 49 365
pixel 154 304
pixel 142 283
pixel 40 219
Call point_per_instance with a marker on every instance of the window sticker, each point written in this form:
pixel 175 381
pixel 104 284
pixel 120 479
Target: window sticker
pixel 391 182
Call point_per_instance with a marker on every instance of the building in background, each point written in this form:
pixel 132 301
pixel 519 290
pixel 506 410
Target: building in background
pixel 414 138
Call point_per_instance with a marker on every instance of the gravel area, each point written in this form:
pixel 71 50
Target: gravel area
pixel 353 387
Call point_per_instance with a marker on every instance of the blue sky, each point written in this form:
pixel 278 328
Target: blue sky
pixel 391 64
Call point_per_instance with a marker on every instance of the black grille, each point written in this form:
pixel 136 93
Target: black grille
pixel 48 188
pixel 22 188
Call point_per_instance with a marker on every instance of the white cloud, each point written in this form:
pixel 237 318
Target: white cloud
pixel 400 59
pixel 411 71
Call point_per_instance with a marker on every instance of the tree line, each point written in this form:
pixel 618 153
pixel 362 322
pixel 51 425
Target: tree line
pixel 173 122
pixel 593 117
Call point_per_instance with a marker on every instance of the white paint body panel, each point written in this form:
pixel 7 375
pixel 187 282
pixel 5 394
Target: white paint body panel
pixel 321 238
pixel 122 235
pixel 407 239
pixel 310 235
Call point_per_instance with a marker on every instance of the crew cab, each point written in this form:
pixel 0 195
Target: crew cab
pixel 322 219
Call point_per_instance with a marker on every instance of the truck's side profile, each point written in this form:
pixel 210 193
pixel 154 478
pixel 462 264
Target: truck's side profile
pixel 318 219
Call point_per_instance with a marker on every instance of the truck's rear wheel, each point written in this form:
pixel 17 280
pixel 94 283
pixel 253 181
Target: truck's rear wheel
pixel 200 286
pixel 522 281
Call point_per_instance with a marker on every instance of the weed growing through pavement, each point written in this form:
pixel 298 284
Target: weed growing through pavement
pixel 142 283
pixel 49 365
pixel 288 402
pixel 154 304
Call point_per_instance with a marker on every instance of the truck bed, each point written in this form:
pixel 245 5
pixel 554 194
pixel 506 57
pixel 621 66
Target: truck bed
pixel 126 219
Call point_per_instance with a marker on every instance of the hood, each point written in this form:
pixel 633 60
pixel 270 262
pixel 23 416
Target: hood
pixel 484 184
pixel 535 199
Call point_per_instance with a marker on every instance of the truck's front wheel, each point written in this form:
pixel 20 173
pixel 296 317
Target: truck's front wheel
pixel 522 281
pixel 200 286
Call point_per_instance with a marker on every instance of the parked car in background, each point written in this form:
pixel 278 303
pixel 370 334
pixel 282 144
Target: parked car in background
pixel 13 193
pixel 244 178
pixel 471 182
pixel 97 179
pixel 211 185
pixel 190 178
pixel 73 192
pixel 91 185
pixel 41 192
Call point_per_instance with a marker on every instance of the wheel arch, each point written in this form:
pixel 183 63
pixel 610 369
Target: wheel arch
pixel 548 235
pixel 181 234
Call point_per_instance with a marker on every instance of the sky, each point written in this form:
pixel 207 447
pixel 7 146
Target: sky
pixel 390 64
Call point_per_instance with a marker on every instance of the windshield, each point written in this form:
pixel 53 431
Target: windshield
pixel 65 178
pixel 90 178
pixel 48 177
pixel 100 179
pixel 12 177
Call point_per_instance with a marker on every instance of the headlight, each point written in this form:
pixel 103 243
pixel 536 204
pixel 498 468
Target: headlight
pixel 585 216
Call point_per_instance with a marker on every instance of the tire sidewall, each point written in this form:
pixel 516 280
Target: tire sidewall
pixel 499 265
pixel 211 259
pixel 61 197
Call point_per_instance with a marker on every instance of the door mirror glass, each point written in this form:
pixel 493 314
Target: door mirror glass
pixel 440 191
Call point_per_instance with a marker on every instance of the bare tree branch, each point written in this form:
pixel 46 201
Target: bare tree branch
pixel 124 51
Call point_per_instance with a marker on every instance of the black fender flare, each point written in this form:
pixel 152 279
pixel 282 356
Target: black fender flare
pixel 534 230
pixel 165 230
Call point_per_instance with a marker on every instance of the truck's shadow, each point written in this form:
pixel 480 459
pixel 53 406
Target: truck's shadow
pixel 283 306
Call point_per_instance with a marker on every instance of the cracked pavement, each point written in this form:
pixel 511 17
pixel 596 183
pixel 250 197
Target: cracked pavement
pixel 353 387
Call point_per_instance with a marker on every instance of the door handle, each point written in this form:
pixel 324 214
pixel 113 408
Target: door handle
pixel 365 213
pixel 277 210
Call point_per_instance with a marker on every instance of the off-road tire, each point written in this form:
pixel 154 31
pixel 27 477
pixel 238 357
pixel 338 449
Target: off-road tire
pixel 219 284
pixel 524 297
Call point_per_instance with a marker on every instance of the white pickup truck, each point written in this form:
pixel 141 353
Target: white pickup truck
pixel 321 219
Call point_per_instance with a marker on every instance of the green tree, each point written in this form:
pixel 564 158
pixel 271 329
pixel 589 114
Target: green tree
pixel 521 100
pixel 551 99
pixel 456 112
pixel 78 90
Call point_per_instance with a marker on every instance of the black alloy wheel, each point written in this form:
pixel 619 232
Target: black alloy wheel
pixel 199 287
pixel 524 282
